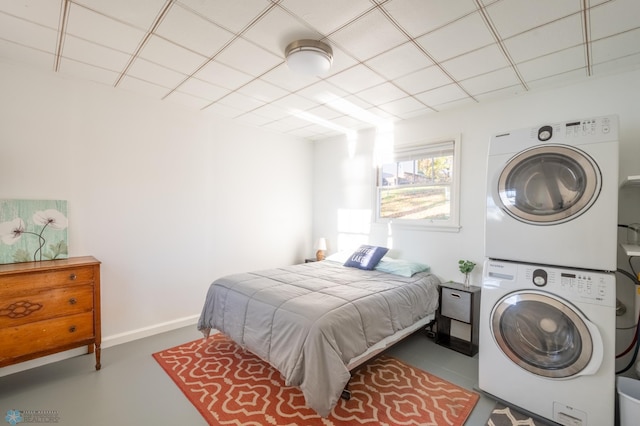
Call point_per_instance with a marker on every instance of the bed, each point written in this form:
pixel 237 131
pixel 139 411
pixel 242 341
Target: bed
pixel 317 321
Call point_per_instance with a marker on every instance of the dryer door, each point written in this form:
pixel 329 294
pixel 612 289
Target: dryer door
pixel 544 334
pixel 549 184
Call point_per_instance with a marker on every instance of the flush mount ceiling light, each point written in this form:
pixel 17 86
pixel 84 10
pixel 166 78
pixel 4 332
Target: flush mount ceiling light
pixel 309 57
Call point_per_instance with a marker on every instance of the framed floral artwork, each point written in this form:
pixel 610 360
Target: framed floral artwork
pixel 33 230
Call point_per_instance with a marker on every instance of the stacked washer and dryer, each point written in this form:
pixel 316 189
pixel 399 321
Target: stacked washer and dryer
pixel 547 332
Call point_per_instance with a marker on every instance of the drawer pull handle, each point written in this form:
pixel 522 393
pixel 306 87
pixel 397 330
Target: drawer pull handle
pixel 72 329
pixel 73 301
pixel 73 276
pixel 456 295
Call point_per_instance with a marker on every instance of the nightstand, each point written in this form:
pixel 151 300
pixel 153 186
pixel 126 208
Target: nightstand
pixel 459 307
pixel 310 259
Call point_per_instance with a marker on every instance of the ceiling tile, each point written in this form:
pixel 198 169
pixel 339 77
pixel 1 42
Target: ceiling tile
pixel 402 107
pixel 272 112
pixel 287 124
pixel 423 80
pixel 253 119
pixel 459 103
pixel 140 13
pixel 614 17
pixel 547 39
pixel 462 36
pixel 322 14
pixel 508 91
pixel 322 92
pixel 356 79
pixel 381 94
pixel 103 30
pixel 554 80
pixel 555 63
pixel 537 13
pixel 88 72
pixel 419 17
pixel 341 61
pixel 324 112
pixel 187 100
pixel 491 82
pixel 400 61
pixel 626 63
pixel 248 58
pixel 481 61
pixel 222 75
pixel 359 40
pixel 233 15
pixel 202 89
pixel 276 29
pixel 172 56
pixel 27 34
pixel 92 54
pixel 42 12
pixel 240 102
pixel 294 102
pixel 442 95
pixel 193 32
pixel 263 91
pixel 154 73
pixel 139 86
pixel 283 77
pixel 618 46
pixel 218 109
pixel 39 58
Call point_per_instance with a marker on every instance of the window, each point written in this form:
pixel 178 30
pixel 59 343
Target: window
pixel 420 186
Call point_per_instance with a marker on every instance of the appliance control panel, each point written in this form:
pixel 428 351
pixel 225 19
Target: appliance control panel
pixel 573 284
pixel 575 129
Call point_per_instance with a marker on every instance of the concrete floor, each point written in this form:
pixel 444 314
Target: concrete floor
pixel 132 389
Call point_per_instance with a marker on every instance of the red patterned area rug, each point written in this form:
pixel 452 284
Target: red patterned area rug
pixel 230 386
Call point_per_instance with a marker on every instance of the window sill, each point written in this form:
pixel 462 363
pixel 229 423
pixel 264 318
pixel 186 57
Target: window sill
pixel 422 226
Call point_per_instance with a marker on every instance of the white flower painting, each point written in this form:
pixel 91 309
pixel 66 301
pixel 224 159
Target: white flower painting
pixel 33 230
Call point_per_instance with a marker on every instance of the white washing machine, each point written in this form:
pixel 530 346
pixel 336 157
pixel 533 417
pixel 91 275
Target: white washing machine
pixel 547 341
pixel 552 195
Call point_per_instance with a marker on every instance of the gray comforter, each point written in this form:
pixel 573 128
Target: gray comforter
pixel 309 320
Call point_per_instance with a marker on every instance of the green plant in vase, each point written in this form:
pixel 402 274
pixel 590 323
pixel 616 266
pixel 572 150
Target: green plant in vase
pixel 466 266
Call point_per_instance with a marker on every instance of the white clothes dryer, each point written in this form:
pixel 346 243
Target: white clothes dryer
pixel 552 195
pixel 547 341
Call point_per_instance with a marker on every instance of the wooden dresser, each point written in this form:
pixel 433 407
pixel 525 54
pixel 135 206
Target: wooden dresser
pixel 48 307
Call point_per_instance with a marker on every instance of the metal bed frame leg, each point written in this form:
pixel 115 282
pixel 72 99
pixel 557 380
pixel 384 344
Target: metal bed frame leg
pixel 346 394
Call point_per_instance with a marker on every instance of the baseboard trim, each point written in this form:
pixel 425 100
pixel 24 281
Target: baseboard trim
pixel 107 342
pixel 141 333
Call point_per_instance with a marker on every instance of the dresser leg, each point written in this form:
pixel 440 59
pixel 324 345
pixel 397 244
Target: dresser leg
pixel 98 365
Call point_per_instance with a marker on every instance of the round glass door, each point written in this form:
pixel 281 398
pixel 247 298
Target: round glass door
pixel 549 184
pixel 542 334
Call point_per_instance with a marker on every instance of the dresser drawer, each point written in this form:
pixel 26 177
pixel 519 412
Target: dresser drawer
pixel 456 304
pixel 36 336
pixel 44 304
pixel 23 283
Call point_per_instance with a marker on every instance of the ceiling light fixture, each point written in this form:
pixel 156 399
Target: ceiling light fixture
pixel 309 57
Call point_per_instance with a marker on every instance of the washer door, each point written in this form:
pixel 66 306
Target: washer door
pixel 544 334
pixel 549 184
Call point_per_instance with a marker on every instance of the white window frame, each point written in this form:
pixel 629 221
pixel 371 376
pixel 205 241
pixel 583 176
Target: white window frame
pixel 416 151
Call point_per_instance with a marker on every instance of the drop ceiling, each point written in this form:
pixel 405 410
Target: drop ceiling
pixel 393 59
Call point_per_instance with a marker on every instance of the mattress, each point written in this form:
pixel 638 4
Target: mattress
pixel 314 321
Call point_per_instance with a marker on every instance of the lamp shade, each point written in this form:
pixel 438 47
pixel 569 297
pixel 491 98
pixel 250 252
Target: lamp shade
pixel 322 244
pixel 309 57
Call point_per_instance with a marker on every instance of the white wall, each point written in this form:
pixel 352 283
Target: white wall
pixel 167 198
pixel 345 183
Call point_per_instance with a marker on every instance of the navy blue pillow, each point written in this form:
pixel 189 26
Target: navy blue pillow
pixel 366 257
